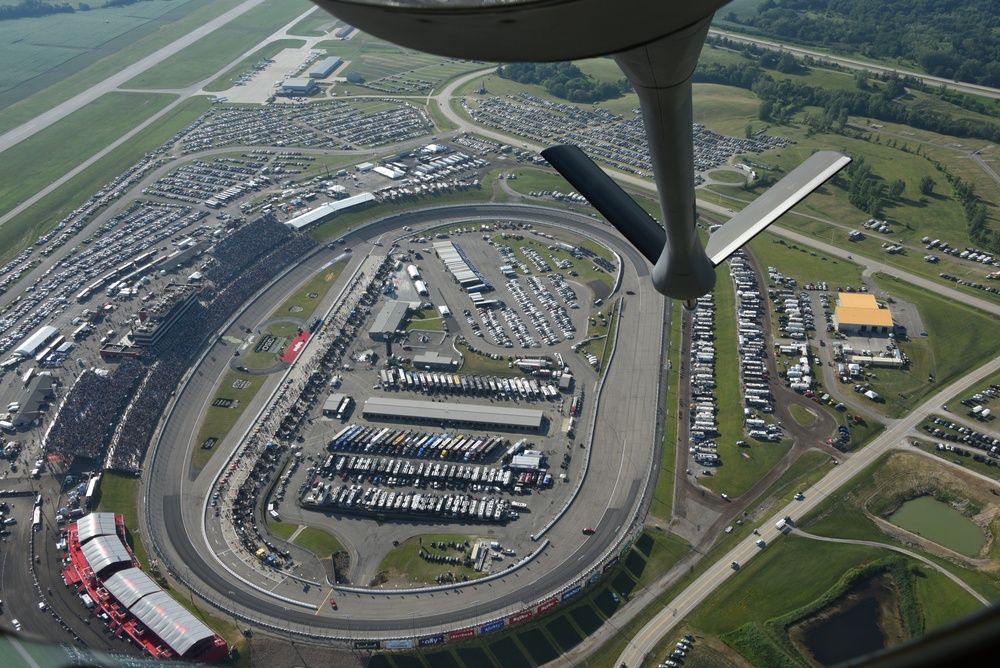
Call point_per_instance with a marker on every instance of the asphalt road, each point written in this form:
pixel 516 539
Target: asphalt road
pixel 699 590
pixel 620 464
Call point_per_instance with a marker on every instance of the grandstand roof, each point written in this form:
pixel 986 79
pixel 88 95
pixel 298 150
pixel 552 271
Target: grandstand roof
pixel 324 211
pixel 95 524
pixel 105 551
pixel 171 622
pixel 129 585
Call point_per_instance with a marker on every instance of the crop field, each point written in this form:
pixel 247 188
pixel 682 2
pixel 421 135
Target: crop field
pixel 30 47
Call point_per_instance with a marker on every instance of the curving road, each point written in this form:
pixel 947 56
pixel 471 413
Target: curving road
pixel 620 466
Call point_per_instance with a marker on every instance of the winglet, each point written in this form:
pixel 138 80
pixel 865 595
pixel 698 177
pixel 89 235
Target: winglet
pixel 778 199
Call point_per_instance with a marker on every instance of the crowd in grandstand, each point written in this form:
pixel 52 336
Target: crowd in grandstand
pixel 247 259
pixel 86 420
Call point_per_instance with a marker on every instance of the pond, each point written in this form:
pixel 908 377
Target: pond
pixel 939 522
pixel 859 623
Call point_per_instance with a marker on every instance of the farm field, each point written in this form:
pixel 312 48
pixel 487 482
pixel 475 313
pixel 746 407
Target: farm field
pixel 34 47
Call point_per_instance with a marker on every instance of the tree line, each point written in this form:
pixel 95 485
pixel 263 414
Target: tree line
pixel 28 9
pixel 955 39
pixel 781 99
pixel 565 81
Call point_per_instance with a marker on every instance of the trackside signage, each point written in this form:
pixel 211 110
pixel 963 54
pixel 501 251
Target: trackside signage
pixel 572 592
pixel 430 641
pixel 464 634
pixel 548 605
pixel 406 643
pixel 495 625
pixel 519 617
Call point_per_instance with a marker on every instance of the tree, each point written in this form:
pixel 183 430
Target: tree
pixel 896 188
pixel 926 185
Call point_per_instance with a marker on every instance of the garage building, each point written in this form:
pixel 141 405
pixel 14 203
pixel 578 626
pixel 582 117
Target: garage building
pixel 859 313
pixel 453 414
pixel 389 319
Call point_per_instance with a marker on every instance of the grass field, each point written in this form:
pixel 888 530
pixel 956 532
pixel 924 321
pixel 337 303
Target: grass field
pixel 23 229
pixel 319 542
pixel 65 147
pixel 404 561
pixel 316 24
pixel 257 361
pixel 802 415
pixel 661 508
pixel 426 320
pixel 309 296
pixel 119 494
pixel 218 421
pixel 202 59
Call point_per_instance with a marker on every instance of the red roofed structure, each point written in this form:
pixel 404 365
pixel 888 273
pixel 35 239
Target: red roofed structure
pixel 106 575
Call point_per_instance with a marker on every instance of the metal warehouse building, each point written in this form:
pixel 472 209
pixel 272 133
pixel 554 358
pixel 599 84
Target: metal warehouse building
pixel 389 319
pixel 299 86
pixel 859 313
pixel 326 67
pixel 452 414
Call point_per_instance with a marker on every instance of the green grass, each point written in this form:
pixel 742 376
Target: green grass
pixel 427 320
pixel 257 361
pixel 65 146
pixel 201 60
pixel 727 176
pixel 119 494
pixel 302 304
pixel 476 364
pixel 950 326
pixel 216 421
pixel 319 542
pixel 804 264
pixel 280 529
pixel 802 415
pixel 316 24
pixel 533 179
pixel 661 508
pixel 405 561
pixel 802 473
pixel 22 230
